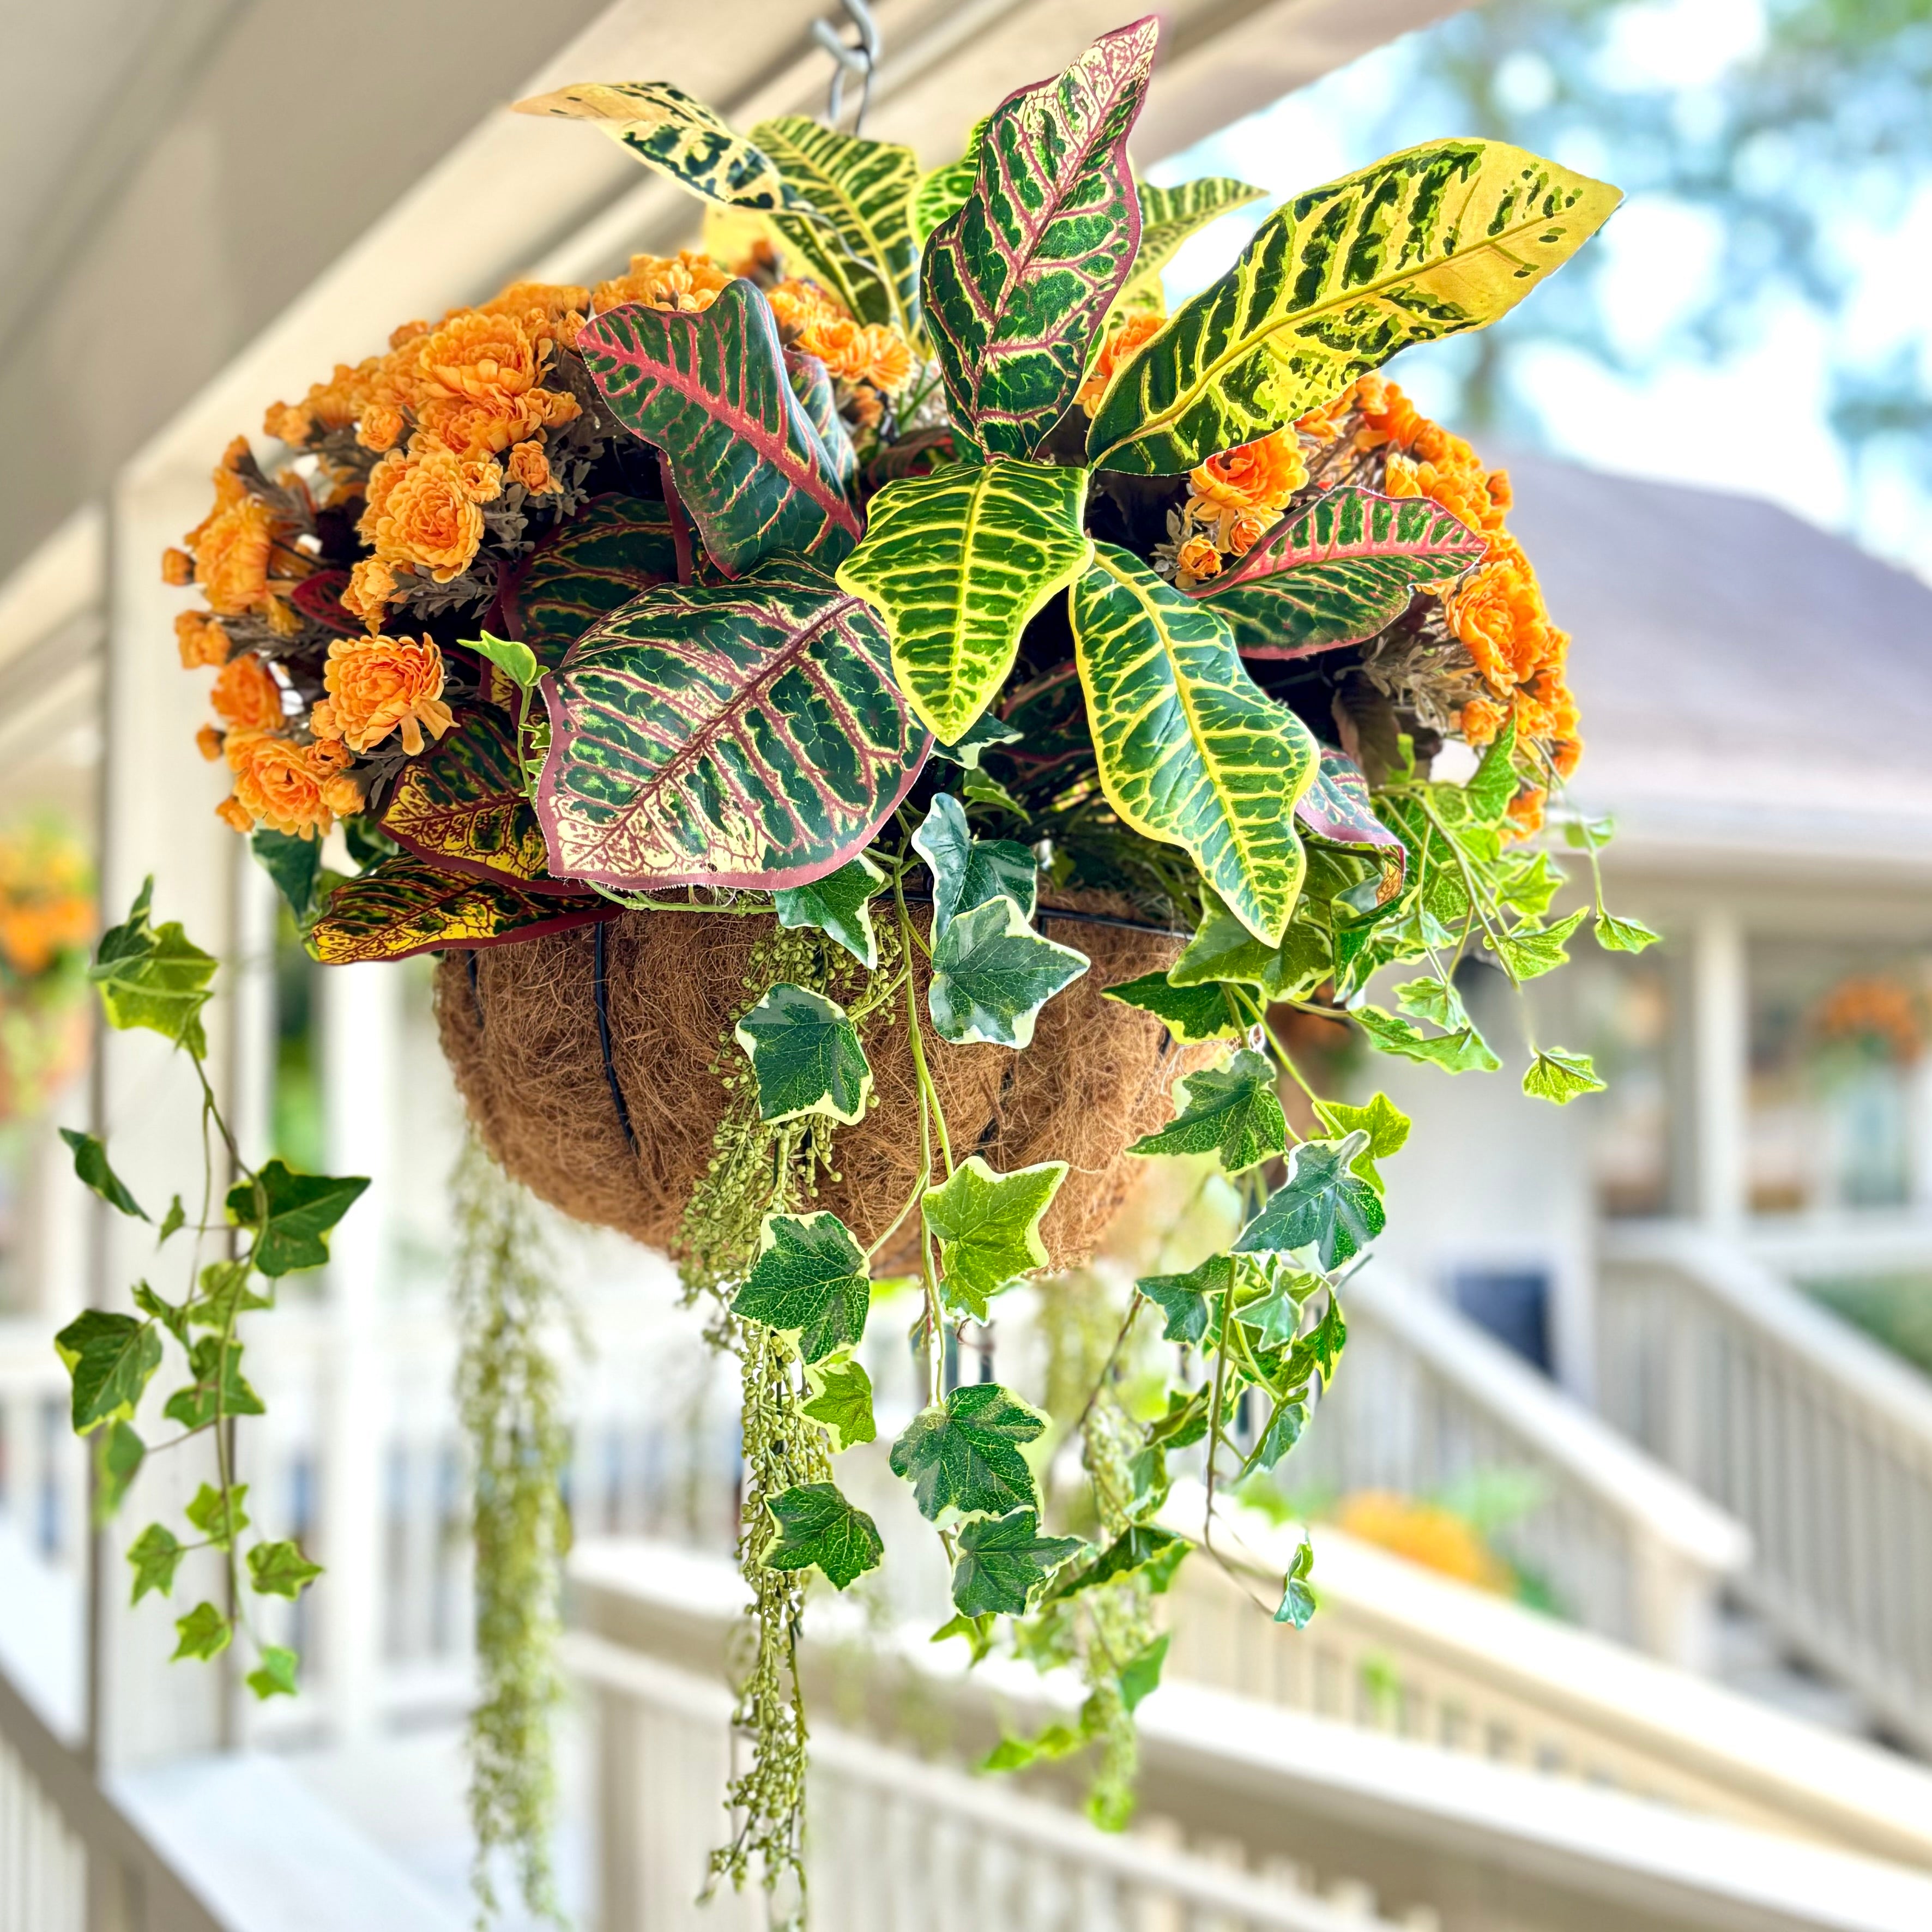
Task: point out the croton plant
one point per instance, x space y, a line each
912 552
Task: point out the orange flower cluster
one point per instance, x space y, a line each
1116 347
292 788
686 282
810 321
1233 500
1867 1006
1497 612
241 555
1427 1534
380 684
46 900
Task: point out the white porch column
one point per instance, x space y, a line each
1721 1002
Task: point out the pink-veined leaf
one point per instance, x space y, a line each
1335 808
613 548
709 391
404 905
747 734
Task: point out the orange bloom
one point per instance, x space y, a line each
1498 615
419 514
1247 530
342 795
552 300
208 741
1566 754
233 812
177 568
1196 558
200 639
232 558
529 466
687 281
1525 811
1260 476
276 783
1424 1533
482 477
246 696
372 589
1480 720
404 333
381 428
1134 330
377 685
288 422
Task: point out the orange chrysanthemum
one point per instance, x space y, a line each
687 281
246 697
481 478
1118 346
231 561
208 741
1480 720
1525 811
200 639
420 514
1259 475
380 684
1198 558
177 568
381 428
372 589
277 783
528 466
1424 1533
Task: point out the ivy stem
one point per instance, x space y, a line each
929 1116
1216 1408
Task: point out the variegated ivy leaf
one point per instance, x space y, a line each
806 1055
1224 951
1424 245
1004 1560
964 1454
967 871
1191 751
1017 282
614 548
1558 1074
1338 569
987 1225
153 977
709 390
810 1279
987 732
819 1529
958 563
1192 1300
668 130
941 194
110 1359
1386 1125
842 1401
1323 1204
462 806
1192 1014
1464 1051
991 974
1168 216
860 248
403 905
840 906
1529 953
745 734
1485 799
1434 999
1622 935
1232 1112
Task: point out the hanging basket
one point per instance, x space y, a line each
585 1059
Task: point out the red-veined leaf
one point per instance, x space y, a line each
613 547
319 596
404 905
1335 808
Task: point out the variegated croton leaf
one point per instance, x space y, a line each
1190 750
1168 216
811 383
1338 570
613 548
462 805
1423 244
403 905
957 563
1336 808
1017 282
748 734
709 391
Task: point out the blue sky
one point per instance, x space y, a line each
1754 422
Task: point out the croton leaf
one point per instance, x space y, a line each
967 871
745 734
1191 751
1192 1014
1335 808
1017 282
615 546
709 391
1423 244
942 193
805 1053
404 905
964 1453
810 1279
958 563
1323 1204
811 383
991 974
817 1527
839 905
1004 1560
861 248
668 130
1168 216
1232 1112
988 1228
462 806
1337 570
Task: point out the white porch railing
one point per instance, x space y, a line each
43 1469
1816 1438
1423 1398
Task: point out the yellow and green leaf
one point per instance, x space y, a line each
403 905
462 805
958 563
941 194
1423 244
1169 216
1191 751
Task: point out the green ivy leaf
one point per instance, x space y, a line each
991 974
90 1164
173 1319
1186 1420
1624 935
806 1055
517 661
841 1402
1233 1113
964 1454
156 1554
1189 1299
1191 751
1277 1292
982 788
204 1633
1141 1674
1422 245
978 1632
1432 998
225 1294
810 1279
154 977
1193 1015
110 1359
1557 1075
1583 834
839 905
219 1518
818 1528
1139 1547
1322 1204
1527 883
195 1406
1386 1125
294 864
1485 799
968 872
988 1228
1530 954
119 1453
1298 1597
173 1222
1283 1431
1223 951
292 1215
281 1570
1463 1052
274 1676
1004 1560
958 563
